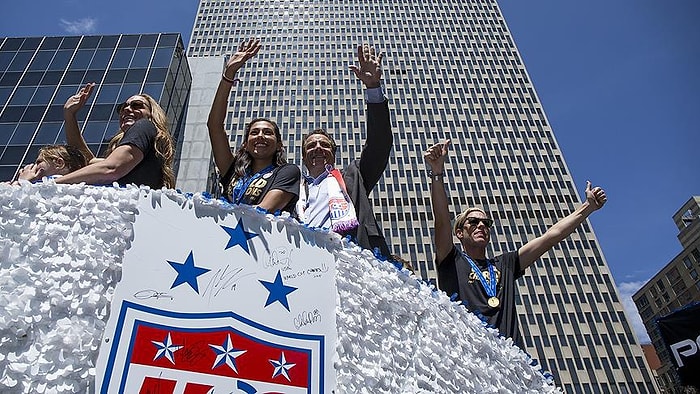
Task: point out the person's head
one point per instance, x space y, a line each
262 141
473 228
134 108
318 149
59 160
142 106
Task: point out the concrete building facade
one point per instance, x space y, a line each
451 70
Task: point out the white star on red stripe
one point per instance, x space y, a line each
166 349
226 353
281 367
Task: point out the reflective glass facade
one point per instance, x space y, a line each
451 71
38 74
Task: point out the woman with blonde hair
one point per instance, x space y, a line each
140 153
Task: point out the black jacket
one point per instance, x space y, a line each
362 175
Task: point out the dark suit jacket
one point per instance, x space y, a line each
362 175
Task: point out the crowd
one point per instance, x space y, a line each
323 196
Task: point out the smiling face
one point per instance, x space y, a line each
475 229
133 109
318 151
262 142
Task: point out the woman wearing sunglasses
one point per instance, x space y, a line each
140 153
258 173
487 285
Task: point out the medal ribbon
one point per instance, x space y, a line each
490 288
242 184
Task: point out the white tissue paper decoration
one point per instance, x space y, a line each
61 248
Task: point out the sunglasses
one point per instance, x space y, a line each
135 105
475 222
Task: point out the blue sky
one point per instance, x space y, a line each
619 81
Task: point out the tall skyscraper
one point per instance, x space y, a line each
675 286
451 71
38 75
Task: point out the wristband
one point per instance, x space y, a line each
435 175
229 80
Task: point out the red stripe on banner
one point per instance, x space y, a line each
195 388
157 386
197 356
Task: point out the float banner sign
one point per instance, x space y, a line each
219 300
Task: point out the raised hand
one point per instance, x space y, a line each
370 69
245 51
595 196
435 156
78 100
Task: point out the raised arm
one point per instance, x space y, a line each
74 137
534 249
435 157
379 137
217 134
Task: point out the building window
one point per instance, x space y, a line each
673 275
660 285
643 301
686 261
696 254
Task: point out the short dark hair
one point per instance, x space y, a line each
323 132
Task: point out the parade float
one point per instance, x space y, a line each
132 290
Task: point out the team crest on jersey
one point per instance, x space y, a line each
227 305
338 208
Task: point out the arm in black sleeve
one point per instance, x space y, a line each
377 148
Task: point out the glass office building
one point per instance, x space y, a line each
451 70
38 75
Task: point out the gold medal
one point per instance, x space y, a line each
494 302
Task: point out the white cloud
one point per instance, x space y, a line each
80 26
627 289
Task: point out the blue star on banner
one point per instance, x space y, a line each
187 273
281 367
278 291
226 354
238 236
166 349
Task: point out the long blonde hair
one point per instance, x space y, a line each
165 150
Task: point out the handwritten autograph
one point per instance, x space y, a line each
224 279
146 294
305 318
279 257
